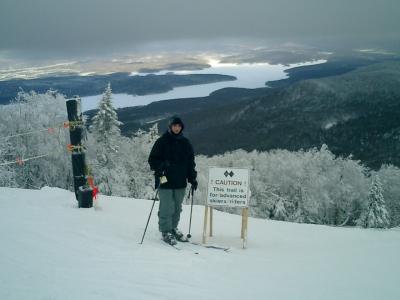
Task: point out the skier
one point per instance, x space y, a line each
172 160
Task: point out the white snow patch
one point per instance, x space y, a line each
330 124
50 249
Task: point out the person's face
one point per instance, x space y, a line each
176 128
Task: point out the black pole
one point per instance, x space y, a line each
191 211
74 109
83 192
148 220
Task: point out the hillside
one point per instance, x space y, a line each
355 113
337 64
53 250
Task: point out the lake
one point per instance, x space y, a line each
248 76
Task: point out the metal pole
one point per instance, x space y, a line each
148 220
191 211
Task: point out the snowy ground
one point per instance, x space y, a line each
50 249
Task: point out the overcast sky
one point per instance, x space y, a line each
73 26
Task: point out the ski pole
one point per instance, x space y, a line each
148 220
191 211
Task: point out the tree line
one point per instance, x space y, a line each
306 186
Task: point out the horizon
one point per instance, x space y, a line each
47 29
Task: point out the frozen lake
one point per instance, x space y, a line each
248 76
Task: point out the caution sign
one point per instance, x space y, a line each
228 187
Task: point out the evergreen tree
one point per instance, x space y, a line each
390 175
376 215
107 137
105 124
139 177
280 212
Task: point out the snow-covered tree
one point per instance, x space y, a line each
389 176
140 181
315 186
105 125
312 186
280 212
33 124
376 215
107 138
129 174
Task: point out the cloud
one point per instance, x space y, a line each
42 27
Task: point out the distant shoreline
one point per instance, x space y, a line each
95 84
248 75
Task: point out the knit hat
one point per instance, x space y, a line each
175 120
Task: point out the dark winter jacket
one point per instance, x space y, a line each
172 155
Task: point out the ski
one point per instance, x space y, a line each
187 246
215 247
176 247
173 246
180 247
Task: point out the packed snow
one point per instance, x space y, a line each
51 249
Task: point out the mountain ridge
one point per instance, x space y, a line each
95 84
333 110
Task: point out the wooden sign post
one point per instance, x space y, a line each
227 187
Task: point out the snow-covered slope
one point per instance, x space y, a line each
50 249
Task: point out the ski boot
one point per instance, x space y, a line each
169 238
179 236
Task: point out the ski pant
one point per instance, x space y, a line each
170 208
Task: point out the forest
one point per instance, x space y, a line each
306 186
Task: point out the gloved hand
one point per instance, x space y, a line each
158 174
194 184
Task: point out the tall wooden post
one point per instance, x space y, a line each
206 208
245 221
83 193
211 221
